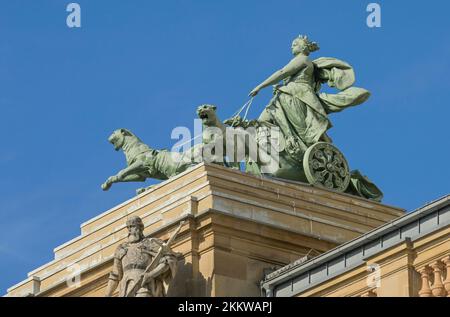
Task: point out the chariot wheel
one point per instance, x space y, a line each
326 166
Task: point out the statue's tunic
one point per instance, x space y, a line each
131 260
301 111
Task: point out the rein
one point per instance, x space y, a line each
237 113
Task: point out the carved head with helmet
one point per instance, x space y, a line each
135 228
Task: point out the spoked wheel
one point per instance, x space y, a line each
326 166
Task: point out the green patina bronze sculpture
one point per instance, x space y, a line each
144 162
298 107
302 149
301 111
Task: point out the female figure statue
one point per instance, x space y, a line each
301 111
297 107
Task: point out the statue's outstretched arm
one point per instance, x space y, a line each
290 69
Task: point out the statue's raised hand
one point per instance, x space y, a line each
254 92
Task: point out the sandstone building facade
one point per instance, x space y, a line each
242 235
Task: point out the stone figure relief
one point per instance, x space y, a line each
143 267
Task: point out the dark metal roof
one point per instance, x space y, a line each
300 275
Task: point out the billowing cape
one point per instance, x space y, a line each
339 74
364 187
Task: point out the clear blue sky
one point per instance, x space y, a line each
146 65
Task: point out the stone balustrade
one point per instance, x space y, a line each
435 278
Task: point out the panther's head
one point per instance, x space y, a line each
207 113
117 138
